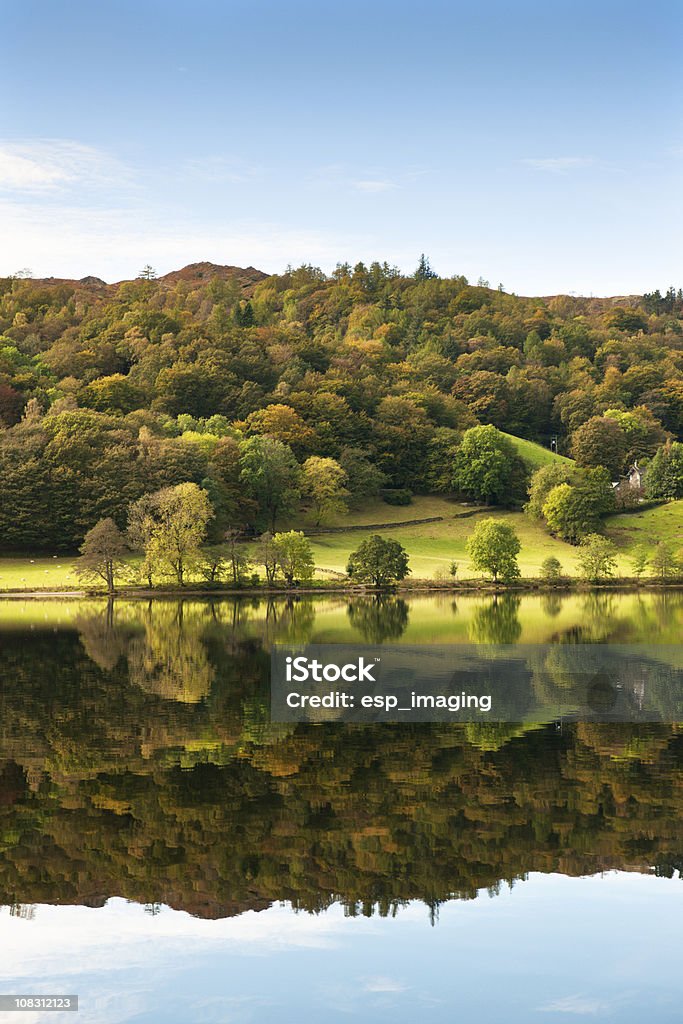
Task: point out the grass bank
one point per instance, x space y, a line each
431 546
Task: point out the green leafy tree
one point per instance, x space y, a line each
402 432
664 562
493 548
378 561
643 431
551 569
238 559
213 564
597 557
266 555
363 478
233 508
103 554
439 457
171 526
141 524
573 511
601 441
542 482
487 467
324 481
294 556
115 393
664 477
271 476
641 560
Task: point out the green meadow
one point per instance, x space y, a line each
535 455
431 546
39 573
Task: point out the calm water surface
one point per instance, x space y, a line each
170 855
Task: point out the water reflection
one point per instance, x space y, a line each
379 619
549 950
497 621
137 760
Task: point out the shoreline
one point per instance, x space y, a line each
488 587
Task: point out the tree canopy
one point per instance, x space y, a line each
493 548
378 561
231 380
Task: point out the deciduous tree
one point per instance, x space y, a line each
493 548
171 525
597 557
103 554
271 475
601 441
487 467
324 481
294 555
378 561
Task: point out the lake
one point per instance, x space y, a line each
169 854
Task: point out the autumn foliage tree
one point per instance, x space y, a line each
324 482
103 554
170 527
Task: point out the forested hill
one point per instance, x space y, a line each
108 391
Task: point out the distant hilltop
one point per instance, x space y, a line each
249 277
193 273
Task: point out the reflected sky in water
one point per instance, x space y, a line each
137 760
552 949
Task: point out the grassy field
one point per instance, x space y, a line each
377 511
644 529
430 546
535 455
38 573
433 546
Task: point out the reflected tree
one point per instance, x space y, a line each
497 622
379 618
171 658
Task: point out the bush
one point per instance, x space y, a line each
396 496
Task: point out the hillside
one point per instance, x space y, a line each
431 546
110 391
535 455
194 274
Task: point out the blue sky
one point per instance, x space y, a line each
537 144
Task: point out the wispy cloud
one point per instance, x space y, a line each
374 185
51 165
219 169
369 180
380 983
72 240
559 164
582 1006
